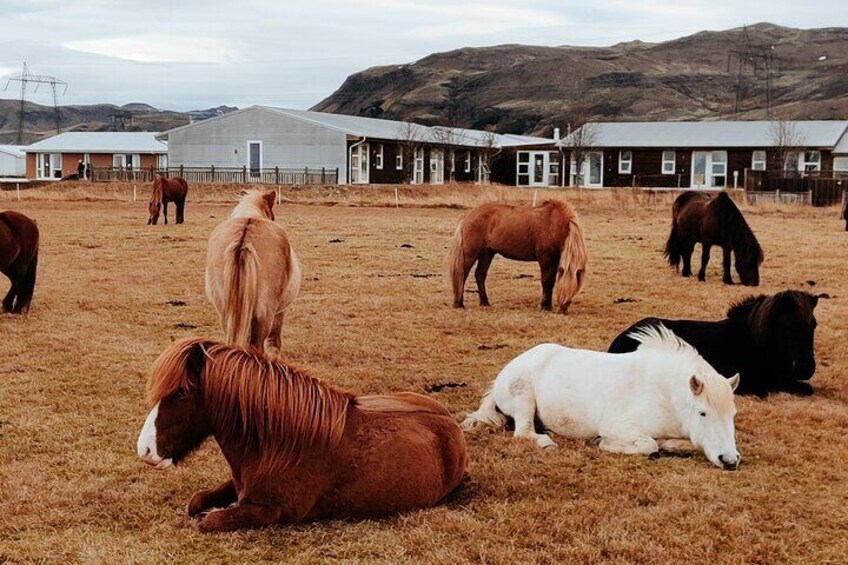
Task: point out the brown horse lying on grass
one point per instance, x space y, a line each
550 234
298 448
164 191
18 259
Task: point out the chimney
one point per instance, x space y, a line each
556 134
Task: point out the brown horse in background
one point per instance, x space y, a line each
550 234
164 191
712 221
18 259
252 273
298 448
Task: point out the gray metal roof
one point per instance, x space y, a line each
15 150
100 142
374 128
822 134
842 147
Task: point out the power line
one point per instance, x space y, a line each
25 78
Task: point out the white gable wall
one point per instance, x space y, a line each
287 142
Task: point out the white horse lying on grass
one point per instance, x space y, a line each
638 402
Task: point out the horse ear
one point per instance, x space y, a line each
733 382
271 198
196 361
696 385
814 301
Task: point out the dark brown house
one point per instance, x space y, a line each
704 155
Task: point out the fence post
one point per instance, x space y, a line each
337 175
182 172
244 174
212 173
277 178
306 175
323 175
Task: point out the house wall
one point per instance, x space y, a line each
12 165
287 142
71 160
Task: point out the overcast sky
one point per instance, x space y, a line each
192 54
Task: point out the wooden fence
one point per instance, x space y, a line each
228 175
823 188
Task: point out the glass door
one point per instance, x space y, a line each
709 169
593 174
437 166
418 171
254 157
539 169
359 164
718 168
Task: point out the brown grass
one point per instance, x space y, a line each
374 316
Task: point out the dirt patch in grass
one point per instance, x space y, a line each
72 377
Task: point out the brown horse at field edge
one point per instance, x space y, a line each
18 259
298 448
164 191
712 221
549 234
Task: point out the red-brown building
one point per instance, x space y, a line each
59 156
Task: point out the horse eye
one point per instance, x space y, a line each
703 414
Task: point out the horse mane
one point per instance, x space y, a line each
745 244
756 312
658 336
574 258
254 203
157 193
277 411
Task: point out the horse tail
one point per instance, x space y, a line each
573 263
486 415
456 261
241 287
672 246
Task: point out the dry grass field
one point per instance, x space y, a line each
373 316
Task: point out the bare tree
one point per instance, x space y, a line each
450 138
786 141
490 151
580 143
410 140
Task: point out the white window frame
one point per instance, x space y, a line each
399 159
672 161
418 166
54 162
468 161
622 169
803 163
378 157
758 164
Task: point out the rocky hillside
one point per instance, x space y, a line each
523 89
40 121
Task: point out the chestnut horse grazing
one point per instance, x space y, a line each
712 221
550 234
252 273
298 448
18 259
164 191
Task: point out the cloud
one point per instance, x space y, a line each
158 49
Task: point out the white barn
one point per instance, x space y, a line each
12 162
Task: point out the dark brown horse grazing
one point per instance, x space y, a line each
550 234
18 259
712 221
164 191
844 214
298 448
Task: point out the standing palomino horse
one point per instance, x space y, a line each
18 259
631 402
298 448
550 234
252 273
164 191
712 221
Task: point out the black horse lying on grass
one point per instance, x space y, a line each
768 340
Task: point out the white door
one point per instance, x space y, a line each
359 164
418 170
709 169
593 170
437 166
254 158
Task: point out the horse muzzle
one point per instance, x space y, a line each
730 462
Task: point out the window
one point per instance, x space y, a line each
49 166
758 161
718 165
812 161
378 157
126 161
625 162
790 164
399 159
668 162
418 173
468 161
523 170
